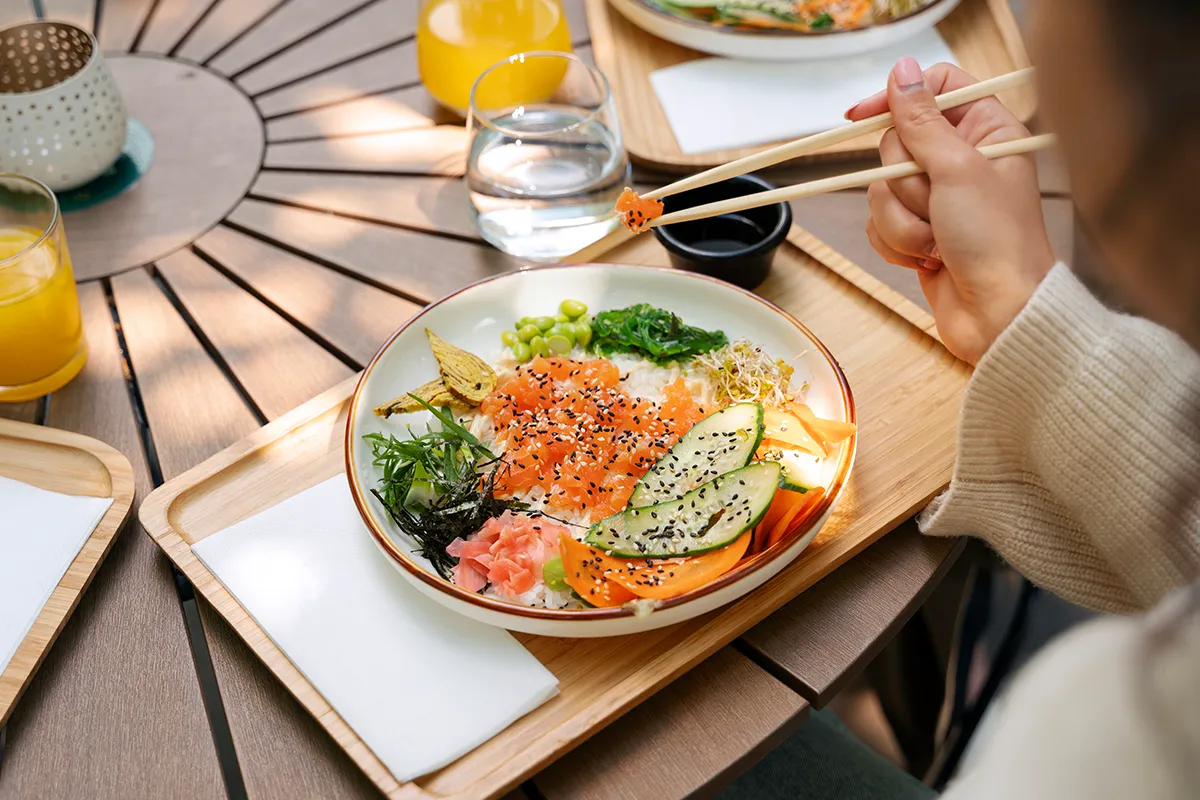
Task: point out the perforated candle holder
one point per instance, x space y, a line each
61 117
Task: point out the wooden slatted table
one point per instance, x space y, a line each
304 202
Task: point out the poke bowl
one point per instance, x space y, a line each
597 450
785 30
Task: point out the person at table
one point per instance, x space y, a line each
1079 442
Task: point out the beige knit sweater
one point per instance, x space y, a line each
1079 461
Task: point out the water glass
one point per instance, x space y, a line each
546 161
41 333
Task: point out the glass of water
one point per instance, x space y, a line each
546 162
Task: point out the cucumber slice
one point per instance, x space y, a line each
717 444
799 471
710 516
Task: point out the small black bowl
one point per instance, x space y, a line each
737 247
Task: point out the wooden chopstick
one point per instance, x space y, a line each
838 182
845 133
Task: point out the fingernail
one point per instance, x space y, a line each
850 110
907 73
932 250
930 264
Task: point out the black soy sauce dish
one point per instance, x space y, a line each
737 247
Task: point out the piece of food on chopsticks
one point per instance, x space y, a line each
791 15
640 459
636 212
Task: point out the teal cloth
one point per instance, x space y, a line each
825 761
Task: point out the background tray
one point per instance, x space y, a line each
982 33
60 461
907 390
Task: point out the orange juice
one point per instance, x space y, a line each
41 335
458 39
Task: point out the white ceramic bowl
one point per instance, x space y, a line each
774 45
61 117
474 317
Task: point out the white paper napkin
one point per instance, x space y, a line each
41 532
420 684
723 103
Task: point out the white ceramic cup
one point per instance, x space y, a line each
61 117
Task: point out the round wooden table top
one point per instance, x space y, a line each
258 262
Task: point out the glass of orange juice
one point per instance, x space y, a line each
41 334
457 40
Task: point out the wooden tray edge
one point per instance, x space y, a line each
826 256
62 602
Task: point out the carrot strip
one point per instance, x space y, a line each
795 518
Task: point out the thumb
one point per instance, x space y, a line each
929 136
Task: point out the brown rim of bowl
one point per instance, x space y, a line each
748 567
777 32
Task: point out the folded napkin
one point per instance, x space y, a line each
722 103
420 684
41 532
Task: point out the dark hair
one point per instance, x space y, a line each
1157 43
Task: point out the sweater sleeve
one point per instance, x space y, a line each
1079 452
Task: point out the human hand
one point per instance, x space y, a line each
972 228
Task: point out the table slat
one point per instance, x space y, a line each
437 150
696 734
279 366
383 71
376 26
120 21
420 266
192 409
193 412
818 642
290 23
21 412
227 20
351 315
77 12
433 204
170 21
115 710
383 113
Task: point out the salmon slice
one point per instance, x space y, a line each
637 211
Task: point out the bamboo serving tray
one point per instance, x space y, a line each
907 390
61 461
983 34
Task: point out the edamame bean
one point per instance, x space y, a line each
544 323
572 308
522 322
527 332
558 344
564 329
538 345
561 318
522 352
583 333
509 338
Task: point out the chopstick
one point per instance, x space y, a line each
838 182
799 147
845 133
